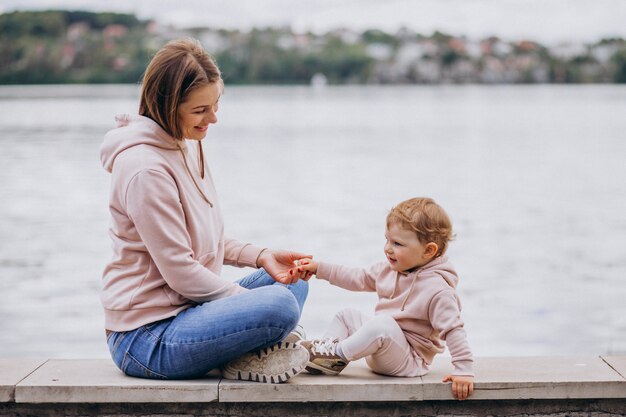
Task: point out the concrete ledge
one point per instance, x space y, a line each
534 378
355 383
617 363
504 386
480 408
99 381
12 371
497 379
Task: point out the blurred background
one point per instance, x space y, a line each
510 114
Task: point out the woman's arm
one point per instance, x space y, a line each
153 205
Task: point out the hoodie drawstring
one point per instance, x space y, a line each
201 152
410 290
395 287
201 171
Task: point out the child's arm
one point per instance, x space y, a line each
445 313
462 386
349 278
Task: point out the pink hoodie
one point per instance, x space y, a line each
166 227
423 302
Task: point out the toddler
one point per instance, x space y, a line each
418 308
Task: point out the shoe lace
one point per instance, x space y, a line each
325 346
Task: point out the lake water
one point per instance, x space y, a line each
533 177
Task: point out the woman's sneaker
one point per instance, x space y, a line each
274 364
296 335
323 357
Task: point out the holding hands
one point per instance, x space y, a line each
280 265
304 268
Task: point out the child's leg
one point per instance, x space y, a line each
381 341
324 357
345 323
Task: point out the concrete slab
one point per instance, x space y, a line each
13 371
355 383
618 363
531 378
99 381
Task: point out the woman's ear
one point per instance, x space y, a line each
431 249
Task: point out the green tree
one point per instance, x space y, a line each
619 61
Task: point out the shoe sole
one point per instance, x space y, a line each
274 365
315 369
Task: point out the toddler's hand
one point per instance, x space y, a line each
304 268
462 386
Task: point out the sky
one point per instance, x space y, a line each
547 21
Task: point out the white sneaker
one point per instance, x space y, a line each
296 335
324 358
274 364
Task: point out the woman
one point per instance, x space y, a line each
168 314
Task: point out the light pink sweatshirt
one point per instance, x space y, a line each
423 302
166 227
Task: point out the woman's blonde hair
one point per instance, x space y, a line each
178 68
426 218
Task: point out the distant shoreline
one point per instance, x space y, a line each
77 47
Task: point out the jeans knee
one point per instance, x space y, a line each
280 307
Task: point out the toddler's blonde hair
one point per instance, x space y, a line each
426 218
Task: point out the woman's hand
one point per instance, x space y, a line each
462 386
280 263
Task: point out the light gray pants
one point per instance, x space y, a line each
378 339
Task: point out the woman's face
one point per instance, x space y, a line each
199 110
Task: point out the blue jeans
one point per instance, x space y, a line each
208 335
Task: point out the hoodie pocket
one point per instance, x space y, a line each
175 298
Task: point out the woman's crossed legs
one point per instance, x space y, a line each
208 335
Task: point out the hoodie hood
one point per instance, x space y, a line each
133 130
438 266
441 266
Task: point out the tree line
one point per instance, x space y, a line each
58 46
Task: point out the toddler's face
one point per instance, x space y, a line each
403 249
